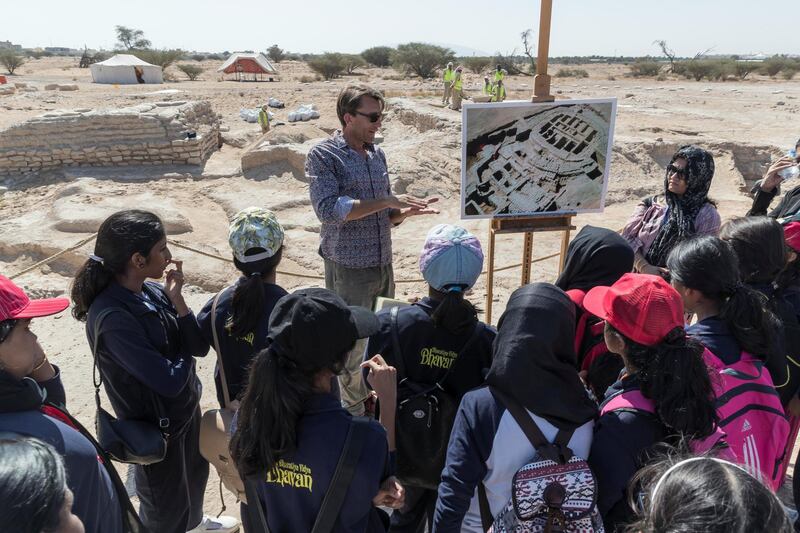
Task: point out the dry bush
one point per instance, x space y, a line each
309 79
380 56
421 59
645 69
477 64
572 73
352 62
329 65
12 61
192 71
276 53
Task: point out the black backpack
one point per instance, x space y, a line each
425 415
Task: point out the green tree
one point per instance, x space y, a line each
476 64
352 62
421 59
380 56
276 53
192 71
131 39
163 58
645 68
12 61
329 65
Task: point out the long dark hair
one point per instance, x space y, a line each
759 244
272 404
455 314
674 375
709 265
703 494
247 304
120 236
33 485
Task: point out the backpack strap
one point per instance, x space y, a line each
631 400
397 352
345 469
97 374
557 451
577 296
253 501
485 510
226 397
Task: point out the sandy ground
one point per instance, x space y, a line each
744 124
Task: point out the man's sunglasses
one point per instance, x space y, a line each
672 169
373 117
5 328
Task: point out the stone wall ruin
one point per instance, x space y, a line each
146 134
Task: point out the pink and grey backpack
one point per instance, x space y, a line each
751 420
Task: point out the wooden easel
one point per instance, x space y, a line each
531 225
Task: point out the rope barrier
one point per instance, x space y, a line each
183 246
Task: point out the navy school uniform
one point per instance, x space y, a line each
715 335
96 502
622 440
427 353
237 352
150 350
293 492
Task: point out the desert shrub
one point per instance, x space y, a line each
722 68
699 69
216 57
276 53
198 57
645 68
329 65
35 54
571 73
309 79
352 62
742 69
163 58
772 66
191 71
421 59
169 76
514 65
11 60
380 56
679 68
661 77
477 64
789 72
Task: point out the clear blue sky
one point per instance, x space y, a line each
580 27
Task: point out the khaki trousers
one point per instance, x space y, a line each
456 100
446 95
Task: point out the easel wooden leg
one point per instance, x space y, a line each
564 247
490 278
527 253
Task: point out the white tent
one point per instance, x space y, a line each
126 69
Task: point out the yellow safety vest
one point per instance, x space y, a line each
263 118
457 83
448 75
488 88
498 75
498 93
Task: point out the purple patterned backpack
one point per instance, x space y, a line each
554 493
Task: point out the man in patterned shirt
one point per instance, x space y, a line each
352 197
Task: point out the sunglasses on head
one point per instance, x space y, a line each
5 328
672 169
373 117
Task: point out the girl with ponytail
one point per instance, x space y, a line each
145 352
439 339
243 309
644 325
291 429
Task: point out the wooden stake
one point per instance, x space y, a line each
541 82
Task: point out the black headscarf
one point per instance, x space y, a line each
596 257
683 210
534 357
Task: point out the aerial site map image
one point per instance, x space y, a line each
522 159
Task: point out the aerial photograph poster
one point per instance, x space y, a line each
529 159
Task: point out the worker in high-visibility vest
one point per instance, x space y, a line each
488 88
457 88
447 80
499 74
263 118
499 92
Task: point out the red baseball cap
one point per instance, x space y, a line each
14 303
642 307
791 233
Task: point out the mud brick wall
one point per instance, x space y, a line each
147 134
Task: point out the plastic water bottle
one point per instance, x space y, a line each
790 172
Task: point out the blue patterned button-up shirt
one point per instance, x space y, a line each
337 174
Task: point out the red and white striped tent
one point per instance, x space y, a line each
249 67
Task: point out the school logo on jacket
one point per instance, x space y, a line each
288 474
436 358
